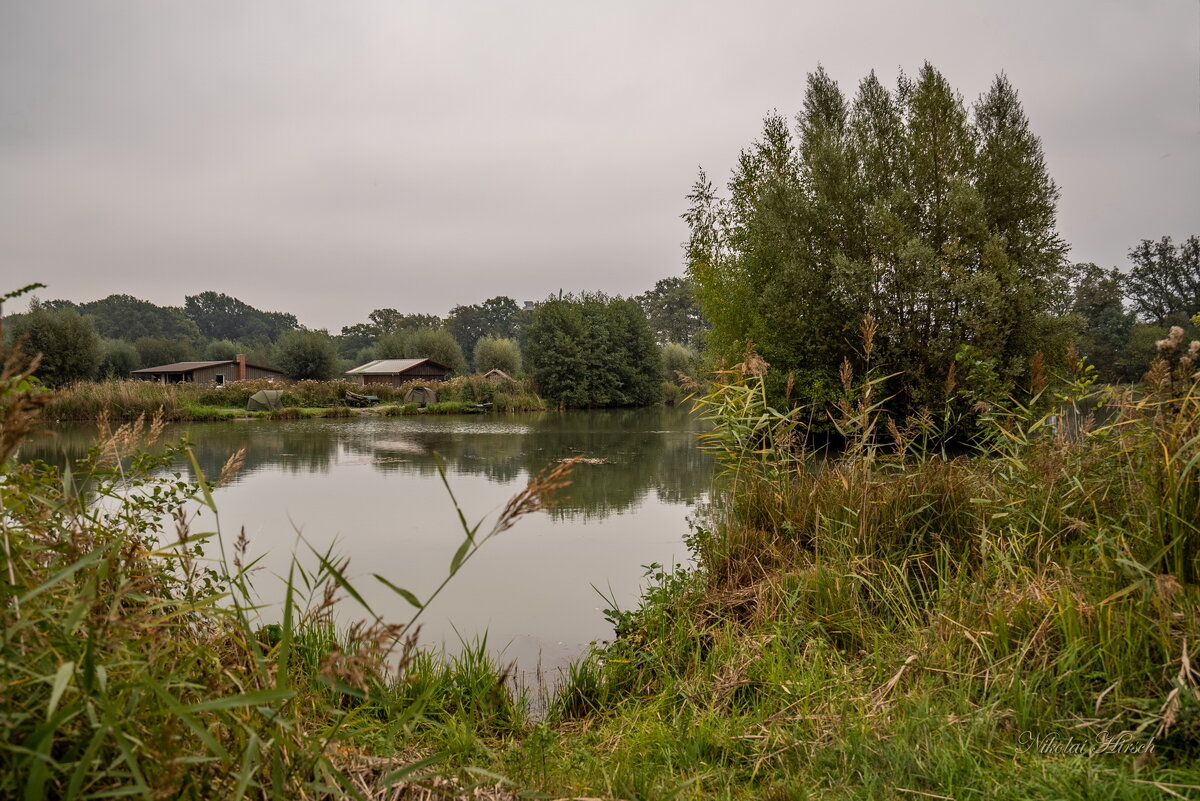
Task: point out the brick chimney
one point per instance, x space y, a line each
241 363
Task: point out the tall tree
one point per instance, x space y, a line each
672 311
1104 322
592 350
306 355
437 344
1164 283
388 321
129 318
498 353
495 317
156 351
118 359
898 203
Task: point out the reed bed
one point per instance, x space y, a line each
130 399
136 661
505 396
1016 622
894 621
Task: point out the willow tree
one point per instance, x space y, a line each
936 217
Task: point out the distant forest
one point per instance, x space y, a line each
616 344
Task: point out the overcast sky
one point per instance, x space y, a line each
330 158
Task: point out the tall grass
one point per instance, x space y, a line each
504 396
129 399
1017 622
136 661
120 400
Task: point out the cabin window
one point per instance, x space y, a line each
220 379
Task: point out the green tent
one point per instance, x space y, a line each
265 400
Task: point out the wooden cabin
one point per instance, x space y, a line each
395 372
497 376
216 373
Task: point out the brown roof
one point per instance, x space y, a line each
187 367
392 366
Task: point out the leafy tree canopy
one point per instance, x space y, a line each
593 350
673 312
156 351
128 318
899 202
1104 322
118 359
68 343
495 317
220 316
498 353
383 324
437 344
306 355
1164 283
387 321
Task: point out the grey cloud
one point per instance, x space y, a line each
329 159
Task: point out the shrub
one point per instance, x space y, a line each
306 355
498 353
69 346
679 360
117 359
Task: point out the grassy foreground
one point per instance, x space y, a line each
1019 623
1016 624
135 661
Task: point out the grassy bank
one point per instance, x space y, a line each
1018 623
136 661
128 400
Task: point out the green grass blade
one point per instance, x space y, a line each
255 698
61 679
403 593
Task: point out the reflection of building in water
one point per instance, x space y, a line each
627 453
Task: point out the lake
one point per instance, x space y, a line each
370 486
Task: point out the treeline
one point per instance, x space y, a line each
1121 317
938 219
113 336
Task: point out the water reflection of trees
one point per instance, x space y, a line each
626 454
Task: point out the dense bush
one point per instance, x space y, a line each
498 353
592 350
306 355
118 359
69 346
679 361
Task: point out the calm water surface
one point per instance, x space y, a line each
370 487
